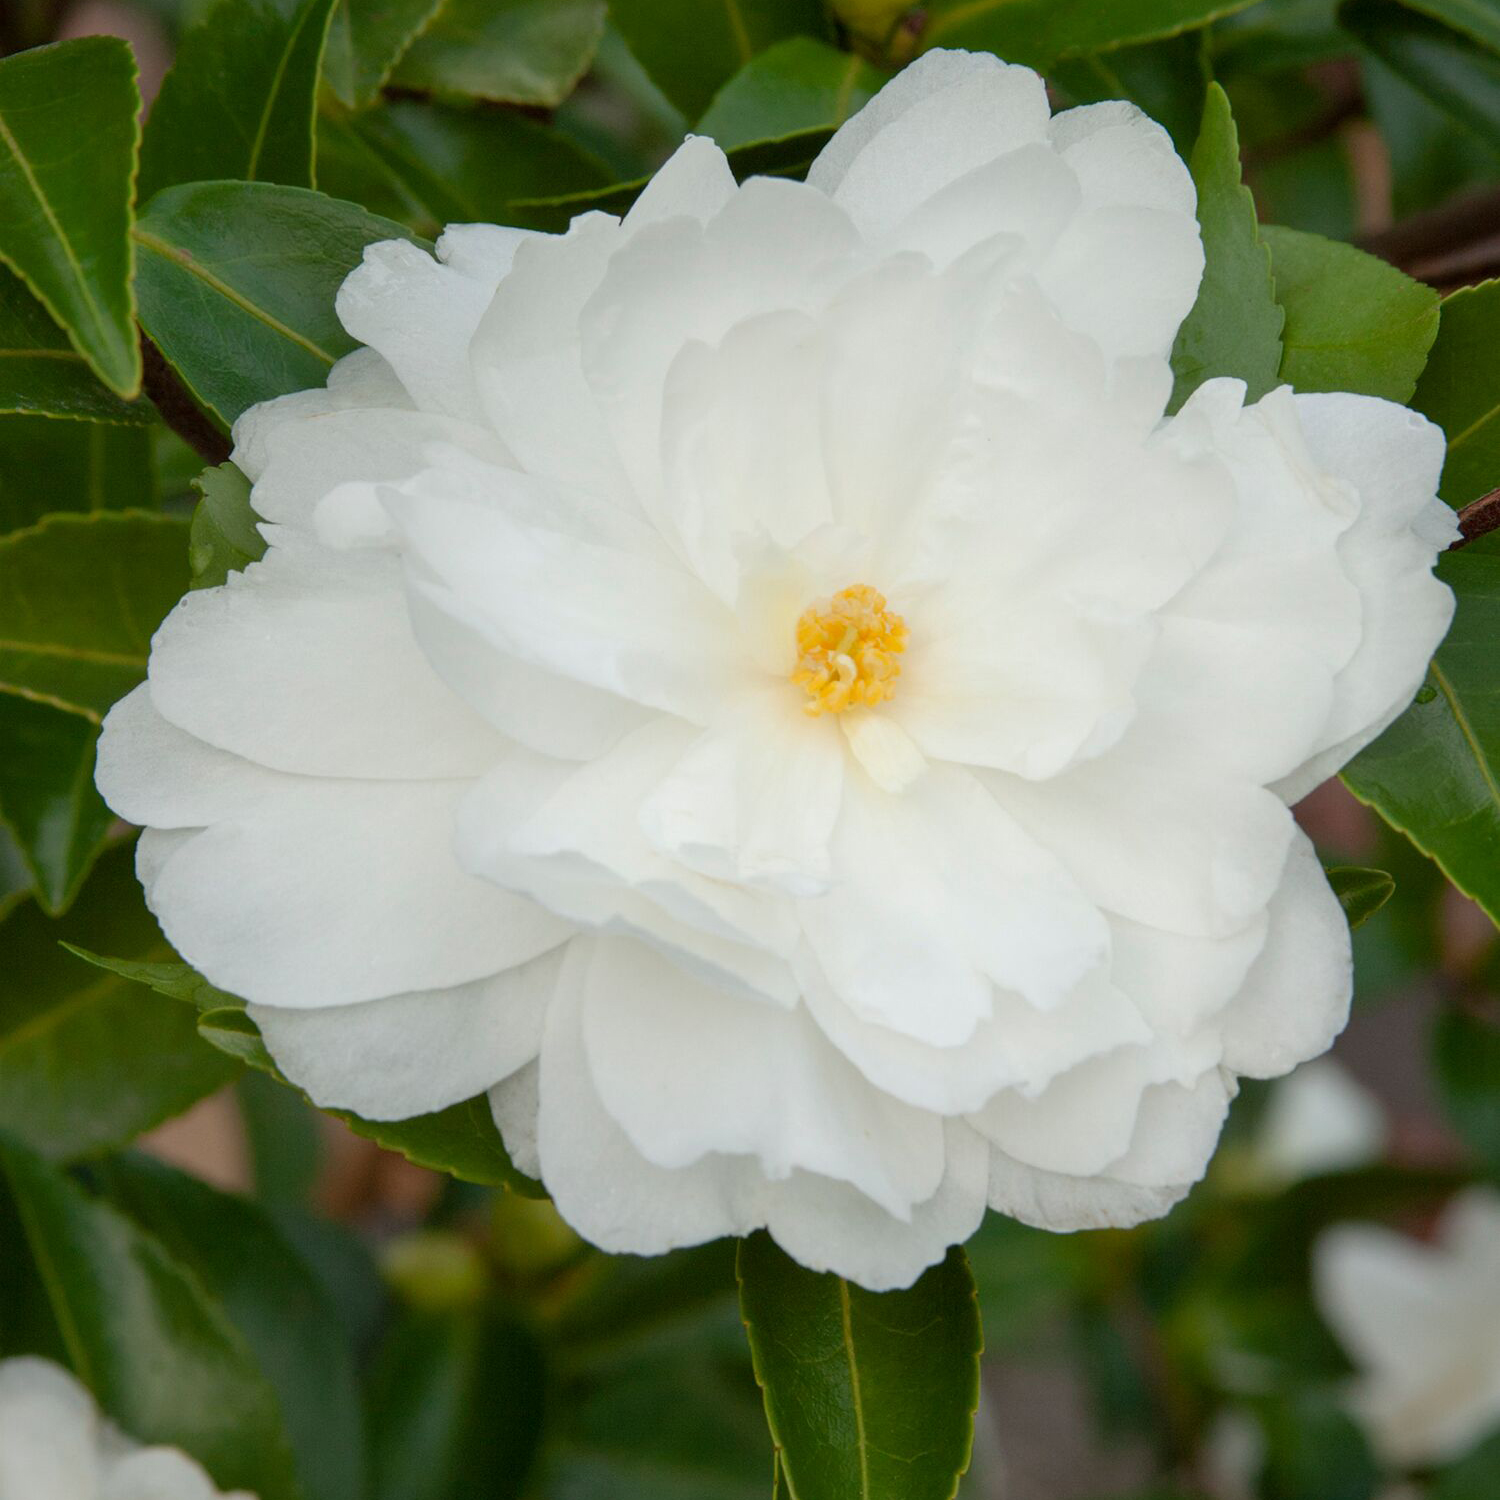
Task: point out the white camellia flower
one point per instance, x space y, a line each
55 1445
1419 1321
761 688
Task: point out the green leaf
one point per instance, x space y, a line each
866 1394
167 976
87 1060
1310 188
529 52
1234 327
80 597
1460 391
691 48
456 1407
237 282
1476 19
1466 1069
1361 892
284 1139
1275 36
48 466
365 41
1445 65
1475 1476
1353 323
162 1358
240 98
1314 1451
427 166
797 85
223 538
1435 773
1039 32
263 1287
64 209
41 371
47 796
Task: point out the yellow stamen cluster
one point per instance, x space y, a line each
846 651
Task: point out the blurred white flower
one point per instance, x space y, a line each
55 1445
761 688
1420 1323
1319 1119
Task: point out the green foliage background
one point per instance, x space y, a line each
158 282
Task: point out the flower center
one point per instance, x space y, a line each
846 651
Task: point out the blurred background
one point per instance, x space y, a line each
1189 1358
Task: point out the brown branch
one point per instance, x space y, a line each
1478 518
178 409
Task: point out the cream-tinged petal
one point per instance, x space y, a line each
754 798
413 1054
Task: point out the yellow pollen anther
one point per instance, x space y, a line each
846 651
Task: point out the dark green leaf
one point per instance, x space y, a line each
1276 35
47 796
87 1060
1466 1068
427 166
865 1394
456 1408
79 599
232 1031
1310 188
691 48
1476 19
237 282
240 98
1166 79
1475 1476
1435 773
162 1358
223 538
40 371
1361 892
65 211
284 1139
1460 78
48 466
1460 391
797 85
1024 1276
1433 156
461 1140
1234 327
508 51
1314 1451
1038 32
1353 323
365 41
247 1267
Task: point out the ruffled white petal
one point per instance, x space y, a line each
412 1054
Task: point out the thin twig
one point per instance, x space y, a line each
178 409
1478 518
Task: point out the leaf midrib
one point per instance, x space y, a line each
44 203
855 1392
194 267
1467 730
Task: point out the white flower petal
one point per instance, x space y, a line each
947 114
1392 457
921 925
305 662
1051 1200
413 1054
687 1070
754 798
331 893
1296 996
